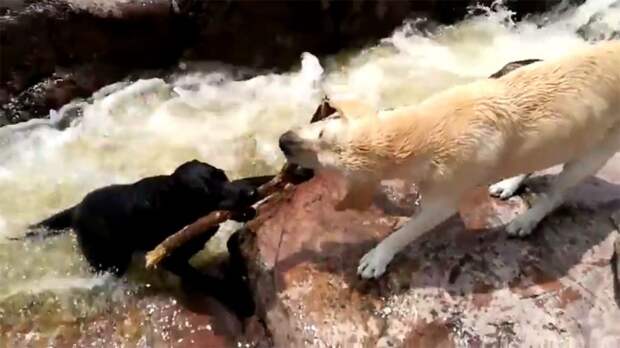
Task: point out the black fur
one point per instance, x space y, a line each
113 222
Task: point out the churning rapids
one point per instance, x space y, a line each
127 131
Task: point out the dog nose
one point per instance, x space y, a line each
288 140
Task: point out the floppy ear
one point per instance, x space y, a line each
189 182
353 108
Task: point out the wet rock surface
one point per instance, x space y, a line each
463 284
156 320
52 51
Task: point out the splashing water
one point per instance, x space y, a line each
131 130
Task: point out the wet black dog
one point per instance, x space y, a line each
113 222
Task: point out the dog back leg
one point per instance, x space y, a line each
103 252
506 188
435 209
572 174
105 256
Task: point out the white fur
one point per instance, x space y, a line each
506 188
434 211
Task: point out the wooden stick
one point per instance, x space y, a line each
187 233
289 174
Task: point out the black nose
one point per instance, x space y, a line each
287 141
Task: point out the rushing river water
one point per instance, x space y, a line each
131 130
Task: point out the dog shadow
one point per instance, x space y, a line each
481 261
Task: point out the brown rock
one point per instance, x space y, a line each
148 321
463 283
429 335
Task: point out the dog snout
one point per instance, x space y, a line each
252 194
288 141
246 196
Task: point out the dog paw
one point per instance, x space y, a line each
522 226
374 263
505 188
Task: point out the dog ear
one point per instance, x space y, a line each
190 178
352 108
325 109
189 183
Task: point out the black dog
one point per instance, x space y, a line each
113 222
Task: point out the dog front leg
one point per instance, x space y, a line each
434 210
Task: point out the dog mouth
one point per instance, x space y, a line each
296 151
304 158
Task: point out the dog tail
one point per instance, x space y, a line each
58 221
53 225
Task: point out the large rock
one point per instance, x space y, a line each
157 320
52 51
55 50
465 283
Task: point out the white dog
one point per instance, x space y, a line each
565 110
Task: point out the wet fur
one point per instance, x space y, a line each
561 111
113 222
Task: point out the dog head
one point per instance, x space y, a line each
204 184
238 195
198 175
320 144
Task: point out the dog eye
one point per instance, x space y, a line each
321 134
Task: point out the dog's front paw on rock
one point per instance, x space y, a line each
374 263
521 226
503 189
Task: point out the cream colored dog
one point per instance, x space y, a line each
557 111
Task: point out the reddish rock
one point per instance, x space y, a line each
149 321
465 283
429 335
